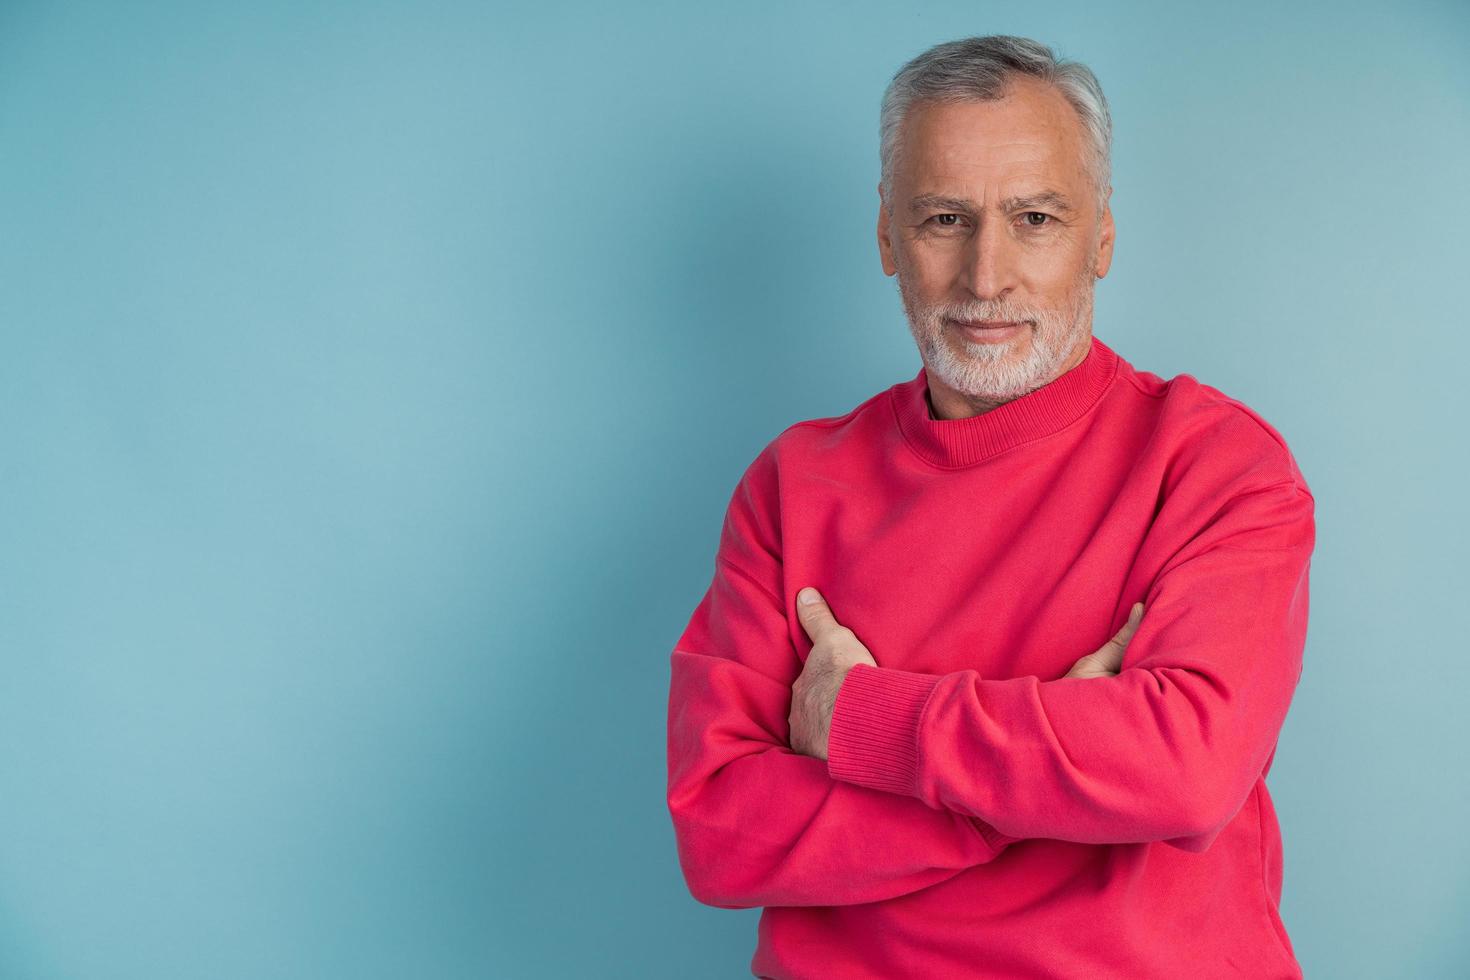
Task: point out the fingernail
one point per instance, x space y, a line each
807 596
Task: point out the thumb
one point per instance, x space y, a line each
814 613
1126 631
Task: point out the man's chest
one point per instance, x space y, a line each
1009 570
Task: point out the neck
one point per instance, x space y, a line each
961 442
945 402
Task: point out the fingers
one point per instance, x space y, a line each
815 615
1110 655
1126 631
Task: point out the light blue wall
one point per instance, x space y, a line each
375 375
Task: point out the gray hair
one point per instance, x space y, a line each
980 69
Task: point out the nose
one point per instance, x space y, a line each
990 262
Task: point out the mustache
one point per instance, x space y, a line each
993 311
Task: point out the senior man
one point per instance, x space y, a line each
879 724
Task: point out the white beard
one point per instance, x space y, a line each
995 372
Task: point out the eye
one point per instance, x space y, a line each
943 223
1031 215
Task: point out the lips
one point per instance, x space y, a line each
987 324
988 331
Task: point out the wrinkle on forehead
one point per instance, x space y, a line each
1033 135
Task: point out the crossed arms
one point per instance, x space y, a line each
928 775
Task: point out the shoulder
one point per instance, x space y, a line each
808 442
815 448
1212 435
812 436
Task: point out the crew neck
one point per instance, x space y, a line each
1048 409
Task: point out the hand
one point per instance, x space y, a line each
835 649
1105 661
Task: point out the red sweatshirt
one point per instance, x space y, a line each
980 815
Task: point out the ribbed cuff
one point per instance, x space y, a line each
874 738
993 837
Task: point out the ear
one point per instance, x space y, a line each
1106 234
885 243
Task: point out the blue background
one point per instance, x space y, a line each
375 377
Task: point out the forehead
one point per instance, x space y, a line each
1032 133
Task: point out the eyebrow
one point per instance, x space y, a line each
1044 199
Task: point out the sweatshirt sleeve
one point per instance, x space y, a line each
756 823
1168 750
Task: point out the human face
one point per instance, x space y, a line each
995 218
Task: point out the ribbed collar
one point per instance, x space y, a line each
1048 409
